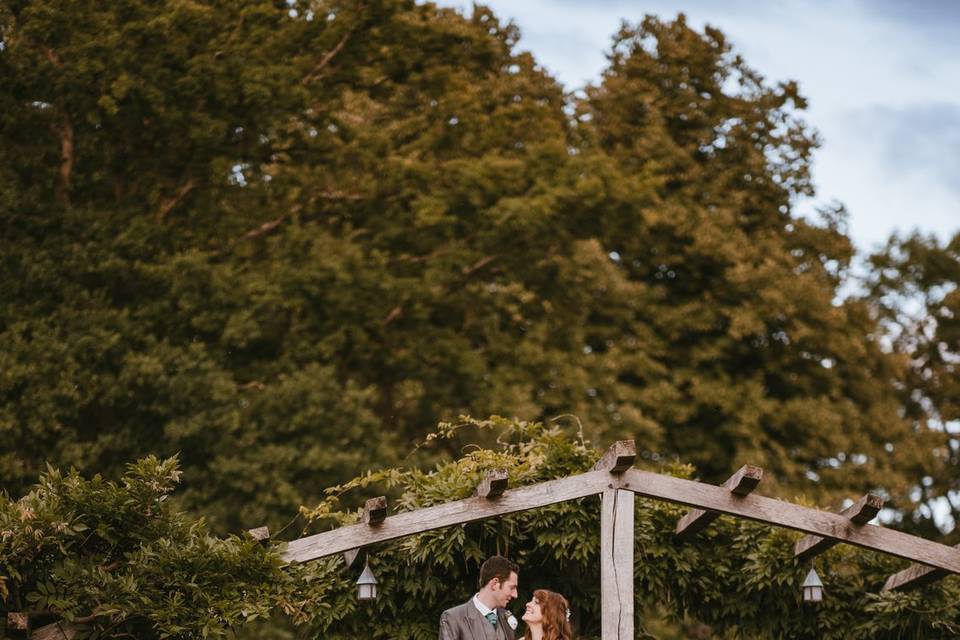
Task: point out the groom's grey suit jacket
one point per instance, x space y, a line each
464 622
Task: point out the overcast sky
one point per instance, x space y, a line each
882 78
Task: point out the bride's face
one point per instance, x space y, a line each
533 612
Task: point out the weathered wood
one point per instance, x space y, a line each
375 511
649 485
451 513
18 622
741 483
860 513
914 576
56 631
350 556
791 516
260 534
618 458
493 485
616 565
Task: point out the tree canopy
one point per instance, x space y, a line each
282 239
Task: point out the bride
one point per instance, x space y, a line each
547 617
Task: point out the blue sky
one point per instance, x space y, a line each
882 78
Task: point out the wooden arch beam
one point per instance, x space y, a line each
408 523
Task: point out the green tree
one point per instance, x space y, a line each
281 239
741 350
912 285
117 561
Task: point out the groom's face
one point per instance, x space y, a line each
504 592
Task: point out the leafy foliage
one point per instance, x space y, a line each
912 285
115 558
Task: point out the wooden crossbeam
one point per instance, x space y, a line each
649 485
859 513
618 458
493 485
791 516
443 515
375 511
741 483
914 576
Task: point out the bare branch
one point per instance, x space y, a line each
317 72
167 205
67 160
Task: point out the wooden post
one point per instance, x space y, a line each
618 458
616 564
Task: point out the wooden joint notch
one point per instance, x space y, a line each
375 510
493 485
741 483
915 576
260 534
618 458
859 513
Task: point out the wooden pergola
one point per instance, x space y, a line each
617 482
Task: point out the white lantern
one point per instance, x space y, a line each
367 584
812 588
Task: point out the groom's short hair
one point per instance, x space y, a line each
497 567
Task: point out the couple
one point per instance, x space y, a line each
484 617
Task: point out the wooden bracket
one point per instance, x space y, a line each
859 513
493 485
914 577
375 511
618 458
744 481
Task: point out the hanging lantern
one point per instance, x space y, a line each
367 584
812 588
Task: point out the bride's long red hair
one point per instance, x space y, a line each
554 608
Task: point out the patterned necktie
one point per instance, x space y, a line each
492 617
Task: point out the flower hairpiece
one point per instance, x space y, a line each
568 614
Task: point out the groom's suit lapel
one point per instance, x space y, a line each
503 624
476 622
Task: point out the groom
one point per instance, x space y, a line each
484 616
